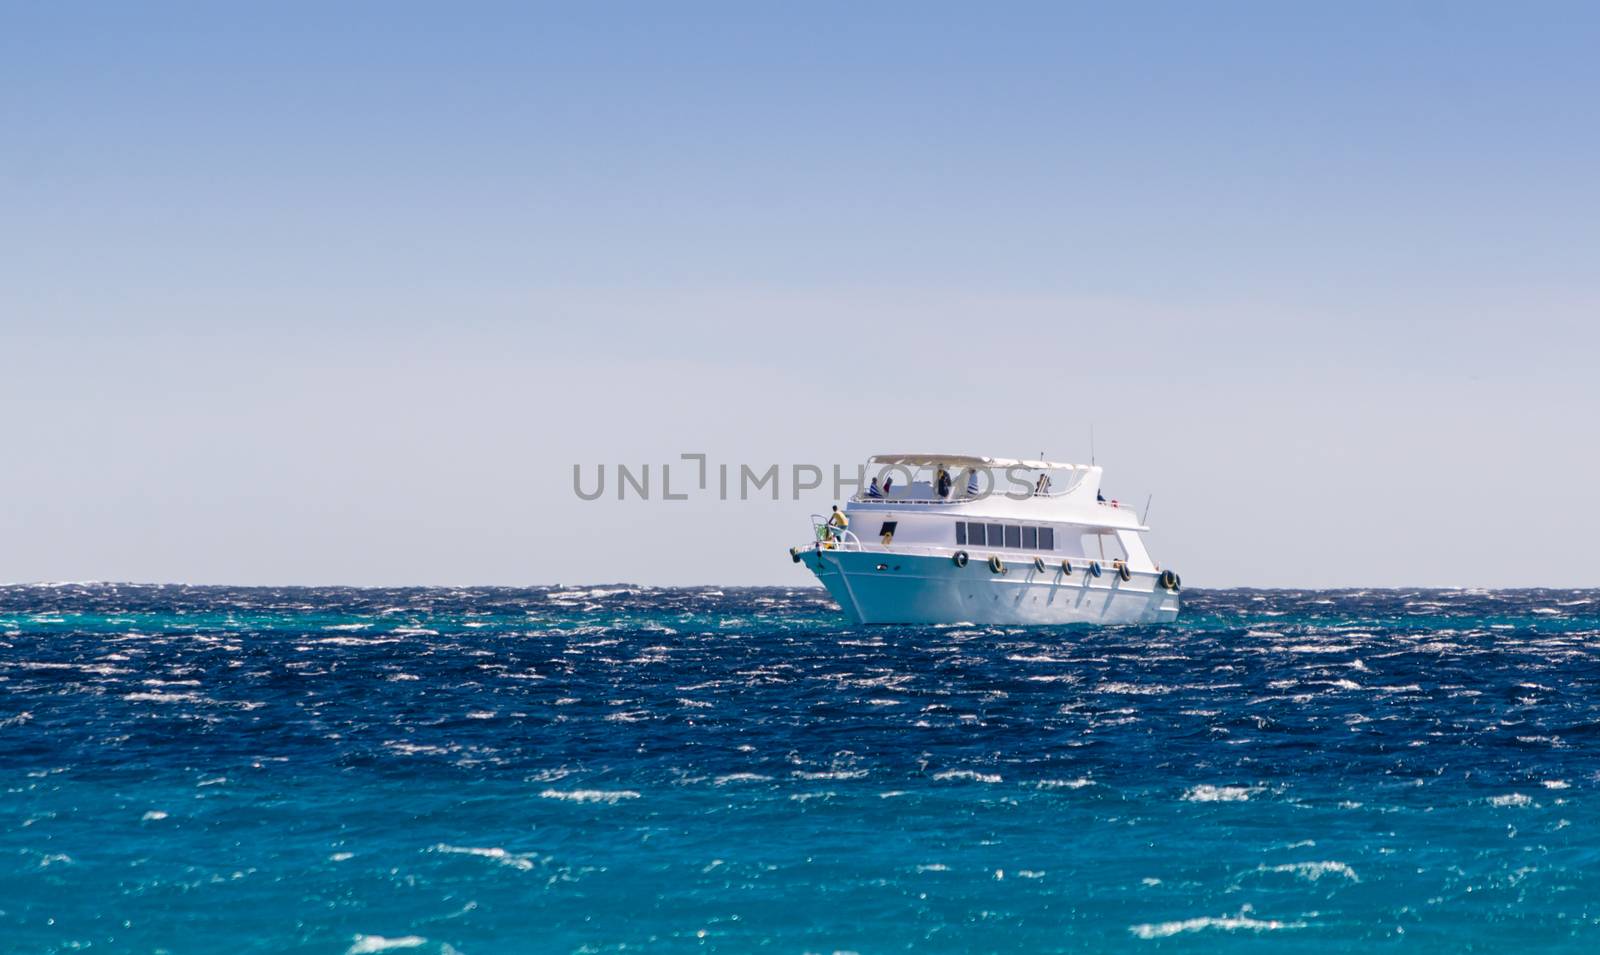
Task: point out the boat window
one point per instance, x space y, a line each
961 532
975 535
1030 538
1013 537
888 527
1047 538
997 535
1103 546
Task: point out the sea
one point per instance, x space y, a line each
628 769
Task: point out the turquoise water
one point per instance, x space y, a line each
623 769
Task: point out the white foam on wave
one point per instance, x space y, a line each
741 778
162 697
1511 799
610 796
353 641
1227 923
98 669
516 860
405 748
153 815
968 774
365 944
1556 784
1313 871
1134 689
1079 783
1209 793
566 598
831 774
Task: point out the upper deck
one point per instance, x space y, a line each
979 486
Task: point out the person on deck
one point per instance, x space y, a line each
838 520
943 482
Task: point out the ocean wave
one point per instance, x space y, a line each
163 697
367 944
830 774
1079 783
609 796
1209 793
516 860
1226 923
1134 689
1314 871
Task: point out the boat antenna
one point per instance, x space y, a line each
1091 445
1145 520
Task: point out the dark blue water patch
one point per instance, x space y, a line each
621 768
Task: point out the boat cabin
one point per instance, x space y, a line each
1013 508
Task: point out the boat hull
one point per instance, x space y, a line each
878 587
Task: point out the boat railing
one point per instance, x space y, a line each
908 499
964 498
833 537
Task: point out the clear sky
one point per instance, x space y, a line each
339 293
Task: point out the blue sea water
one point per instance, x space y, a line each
614 769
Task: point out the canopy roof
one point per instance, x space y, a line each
970 461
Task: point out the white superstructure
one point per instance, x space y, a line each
998 540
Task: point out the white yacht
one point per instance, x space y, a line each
951 538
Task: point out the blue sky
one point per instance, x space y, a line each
339 293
